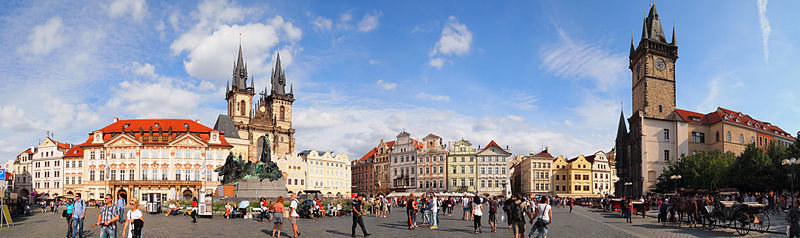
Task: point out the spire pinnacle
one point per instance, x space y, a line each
674 38
632 48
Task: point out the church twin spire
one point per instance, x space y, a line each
240 77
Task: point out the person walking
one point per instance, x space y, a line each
293 216
629 211
543 216
68 216
493 213
477 212
466 213
793 218
55 206
358 213
434 212
133 218
121 206
78 212
570 205
193 210
425 209
108 217
277 218
517 216
410 209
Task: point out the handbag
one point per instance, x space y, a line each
64 213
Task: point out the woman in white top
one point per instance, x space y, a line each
544 216
477 212
132 215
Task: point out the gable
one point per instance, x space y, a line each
46 142
188 140
122 140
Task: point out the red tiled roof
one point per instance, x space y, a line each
589 158
544 153
390 144
77 151
491 143
177 125
369 154
417 144
722 114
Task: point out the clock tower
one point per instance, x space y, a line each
652 65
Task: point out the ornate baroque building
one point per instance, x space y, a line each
270 115
493 165
462 167
432 164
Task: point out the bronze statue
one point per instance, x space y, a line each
235 168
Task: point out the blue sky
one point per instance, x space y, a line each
527 74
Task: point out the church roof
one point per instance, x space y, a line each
722 114
225 125
652 27
133 127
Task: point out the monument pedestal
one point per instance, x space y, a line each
256 188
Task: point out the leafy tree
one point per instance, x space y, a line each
752 171
703 170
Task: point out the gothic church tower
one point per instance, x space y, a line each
652 66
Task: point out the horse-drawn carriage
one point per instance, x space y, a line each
742 217
638 207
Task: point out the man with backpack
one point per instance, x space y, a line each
517 217
507 209
78 212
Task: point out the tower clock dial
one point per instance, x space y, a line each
262 108
660 64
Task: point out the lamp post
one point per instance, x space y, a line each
788 163
675 179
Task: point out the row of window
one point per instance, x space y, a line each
577 188
463 182
485 184
543 186
496 170
495 158
74 164
145 175
541 165
157 153
47 164
432 184
56 174
38 185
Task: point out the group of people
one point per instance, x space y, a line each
275 212
111 213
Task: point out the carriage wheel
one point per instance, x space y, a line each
763 222
709 222
742 223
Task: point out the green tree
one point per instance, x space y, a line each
703 170
752 171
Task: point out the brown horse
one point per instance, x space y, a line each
687 206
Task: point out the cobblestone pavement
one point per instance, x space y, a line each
582 222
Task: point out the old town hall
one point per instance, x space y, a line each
269 116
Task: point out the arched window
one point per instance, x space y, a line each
283 112
242 108
728 136
717 136
741 139
652 175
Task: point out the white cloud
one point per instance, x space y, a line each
346 17
369 22
426 96
456 40
765 27
524 101
436 62
386 85
710 102
145 69
14 118
571 59
372 61
136 8
211 53
157 98
45 38
322 23
355 127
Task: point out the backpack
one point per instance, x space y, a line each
517 212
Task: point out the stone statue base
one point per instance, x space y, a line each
255 188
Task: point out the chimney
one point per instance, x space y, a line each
531 152
198 120
116 119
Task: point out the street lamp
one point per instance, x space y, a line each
675 179
789 163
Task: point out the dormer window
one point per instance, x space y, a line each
155 125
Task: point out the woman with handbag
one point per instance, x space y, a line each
544 216
133 218
68 215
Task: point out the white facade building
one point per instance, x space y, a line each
493 165
48 167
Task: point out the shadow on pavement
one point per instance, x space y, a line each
338 232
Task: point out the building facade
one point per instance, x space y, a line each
48 167
601 174
462 167
22 172
327 174
170 158
432 164
270 116
659 132
403 164
295 171
492 169
74 170
381 171
362 174
536 174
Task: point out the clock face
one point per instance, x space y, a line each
660 64
262 108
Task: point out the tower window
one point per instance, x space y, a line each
659 108
717 136
283 113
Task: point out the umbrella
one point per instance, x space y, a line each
244 204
